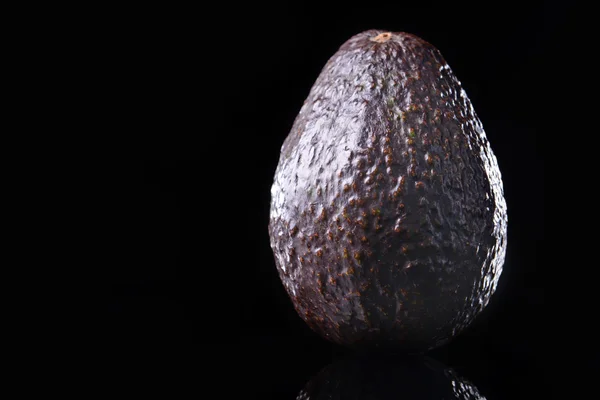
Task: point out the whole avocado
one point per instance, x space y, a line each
388 221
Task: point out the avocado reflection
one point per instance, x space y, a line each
382 379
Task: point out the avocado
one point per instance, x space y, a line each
358 378
387 220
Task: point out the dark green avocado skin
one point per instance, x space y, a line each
388 221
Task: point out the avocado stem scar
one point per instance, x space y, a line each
382 37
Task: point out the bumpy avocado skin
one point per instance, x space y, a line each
388 221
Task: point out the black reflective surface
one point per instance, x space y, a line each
291 367
388 378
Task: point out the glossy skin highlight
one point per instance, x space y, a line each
388 221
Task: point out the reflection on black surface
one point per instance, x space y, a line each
381 379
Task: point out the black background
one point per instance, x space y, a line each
211 95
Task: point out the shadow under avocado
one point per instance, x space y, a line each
382 378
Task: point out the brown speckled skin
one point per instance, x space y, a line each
388 221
